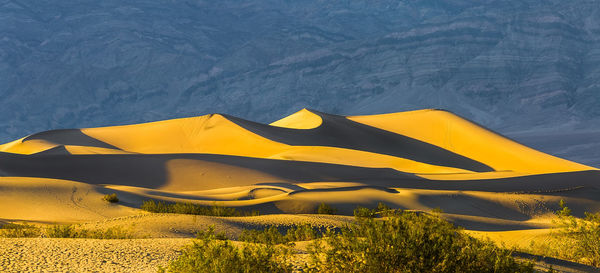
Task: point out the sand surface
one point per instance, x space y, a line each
87 255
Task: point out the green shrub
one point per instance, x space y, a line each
325 209
304 232
111 198
381 210
62 231
363 212
409 242
581 236
437 210
190 208
385 211
108 233
404 242
19 231
272 236
209 254
565 211
210 234
574 239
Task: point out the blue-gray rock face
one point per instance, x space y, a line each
521 67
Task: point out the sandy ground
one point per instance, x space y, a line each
87 255
145 255
165 225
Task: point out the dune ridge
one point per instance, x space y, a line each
411 160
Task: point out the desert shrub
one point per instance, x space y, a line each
437 210
574 239
10 230
409 242
269 235
210 234
385 211
382 210
403 242
272 236
580 236
362 212
111 198
382 207
190 208
210 254
72 231
61 231
325 209
108 233
303 232
564 210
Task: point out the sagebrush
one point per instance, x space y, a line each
191 208
402 242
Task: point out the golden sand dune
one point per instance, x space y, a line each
411 160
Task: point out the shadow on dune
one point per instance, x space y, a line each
338 131
69 137
342 189
541 183
538 184
471 224
471 205
149 171
58 150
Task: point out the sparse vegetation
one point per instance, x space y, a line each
362 212
190 208
403 242
111 198
210 253
437 210
564 210
19 231
575 239
63 231
382 210
326 209
409 242
71 231
272 235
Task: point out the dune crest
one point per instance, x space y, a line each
451 132
303 119
412 160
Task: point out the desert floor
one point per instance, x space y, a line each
160 238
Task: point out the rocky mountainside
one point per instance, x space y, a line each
527 67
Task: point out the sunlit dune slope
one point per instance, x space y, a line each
52 200
418 149
327 138
453 133
303 119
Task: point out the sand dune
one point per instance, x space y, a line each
418 160
451 132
